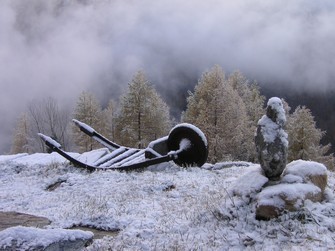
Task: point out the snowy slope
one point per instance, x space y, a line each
169 209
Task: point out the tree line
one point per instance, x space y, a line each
225 108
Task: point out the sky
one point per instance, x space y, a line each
59 48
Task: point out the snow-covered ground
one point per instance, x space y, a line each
163 208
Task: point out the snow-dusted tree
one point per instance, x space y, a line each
219 111
110 114
250 93
88 110
21 136
143 115
46 117
305 137
254 102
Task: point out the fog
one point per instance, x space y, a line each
59 48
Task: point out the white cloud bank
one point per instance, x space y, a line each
59 48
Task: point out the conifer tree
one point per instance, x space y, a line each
89 111
305 137
21 136
219 111
110 114
253 102
143 115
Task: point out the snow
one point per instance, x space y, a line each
304 168
84 126
288 191
195 129
276 104
92 156
271 130
250 183
49 140
30 237
171 209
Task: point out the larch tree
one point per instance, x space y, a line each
218 110
110 114
305 137
21 136
88 110
251 95
143 115
253 102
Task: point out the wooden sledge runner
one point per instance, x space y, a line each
186 145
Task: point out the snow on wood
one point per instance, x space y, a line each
93 156
120 157
49 140
157 141
195 129
84 126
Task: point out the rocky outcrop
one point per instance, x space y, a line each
271 140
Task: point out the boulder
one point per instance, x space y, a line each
30 238
274 200
250 184
308 171
301 181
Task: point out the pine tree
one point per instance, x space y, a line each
219 111
305 137
21 136
89 111
143 116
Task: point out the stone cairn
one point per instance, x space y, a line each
276 187
271 140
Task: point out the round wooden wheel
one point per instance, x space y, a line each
190 144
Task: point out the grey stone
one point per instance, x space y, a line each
30 238
271 140
301 181
11 219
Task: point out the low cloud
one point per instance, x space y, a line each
58 48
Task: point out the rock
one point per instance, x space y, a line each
301 181
271 140
274 200
249 184
30 238
309 172
11 219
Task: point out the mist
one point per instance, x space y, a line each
58 48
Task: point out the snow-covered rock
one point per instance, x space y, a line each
301 181
30 238
271 139
250 184
274 200
308 171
